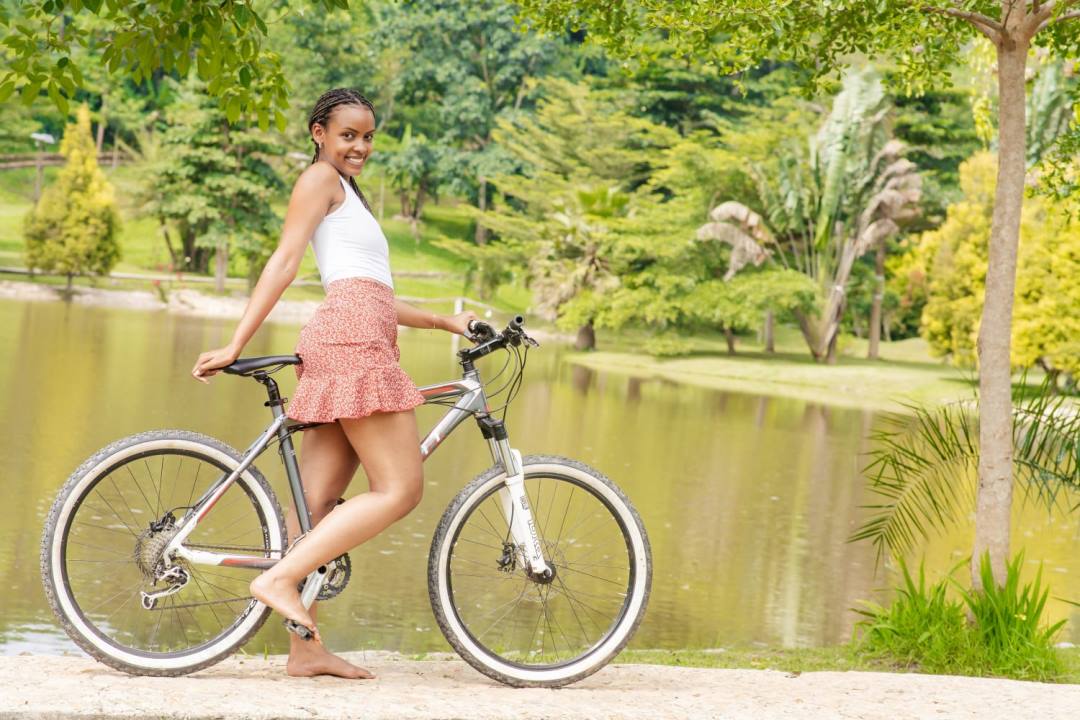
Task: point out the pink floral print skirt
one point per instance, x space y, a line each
350 356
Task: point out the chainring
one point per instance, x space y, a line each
338 572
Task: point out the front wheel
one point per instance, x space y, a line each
541 632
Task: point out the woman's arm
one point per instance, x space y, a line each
311 198
415 317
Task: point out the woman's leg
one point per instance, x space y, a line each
327 466
389 449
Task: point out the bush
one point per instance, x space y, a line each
73 228
926 629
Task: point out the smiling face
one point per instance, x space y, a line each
347 138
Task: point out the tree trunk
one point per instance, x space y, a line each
481 203
729 338
993 502
879 296
101 127
70 276
770 323
809 333
221 264
586 337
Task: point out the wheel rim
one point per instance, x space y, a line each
533 625
102 577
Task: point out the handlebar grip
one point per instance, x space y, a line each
515 323
480 328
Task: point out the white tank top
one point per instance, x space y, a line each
349 243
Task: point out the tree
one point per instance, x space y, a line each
1048 293
215 183
924 39
827 201
475 65
224 43
580 155
72 230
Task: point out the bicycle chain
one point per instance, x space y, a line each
200 604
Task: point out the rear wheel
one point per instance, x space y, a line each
102 554
528 631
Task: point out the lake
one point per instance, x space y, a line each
748 500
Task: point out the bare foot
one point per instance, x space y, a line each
281 595
319 661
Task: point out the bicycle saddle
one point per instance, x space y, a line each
246 366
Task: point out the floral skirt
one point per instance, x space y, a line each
350 356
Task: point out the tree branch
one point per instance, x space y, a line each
980 22
1063 17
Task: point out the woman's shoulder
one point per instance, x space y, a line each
318 178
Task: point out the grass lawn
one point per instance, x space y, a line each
906 371
839 658
143 248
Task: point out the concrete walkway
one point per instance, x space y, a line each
257 688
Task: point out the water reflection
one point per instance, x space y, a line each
748 500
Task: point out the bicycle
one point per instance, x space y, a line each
539 570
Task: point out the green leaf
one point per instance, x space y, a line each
59 100
6 89
232 110
279 120
242 15
29 93
245 76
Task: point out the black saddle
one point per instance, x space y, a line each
249 366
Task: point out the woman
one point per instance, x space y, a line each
350 378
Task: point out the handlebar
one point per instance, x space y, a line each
488 339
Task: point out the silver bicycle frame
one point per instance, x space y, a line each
471 400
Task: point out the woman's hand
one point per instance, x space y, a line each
211 362
458 323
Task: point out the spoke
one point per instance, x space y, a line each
95 547
516 601
582 572
474 542
198 583
135 482
153 485
494 531
191 495
113 597
554 619
114 512
102 527
563 523
571 598
572 608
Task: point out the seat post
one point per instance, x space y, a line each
275 402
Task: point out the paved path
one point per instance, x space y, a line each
257 688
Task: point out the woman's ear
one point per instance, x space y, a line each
318 134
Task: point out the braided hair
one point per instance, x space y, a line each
324 108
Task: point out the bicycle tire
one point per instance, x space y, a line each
489 662
69 499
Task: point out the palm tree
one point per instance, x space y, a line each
826 204
924 467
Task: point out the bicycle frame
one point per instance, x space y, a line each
471 401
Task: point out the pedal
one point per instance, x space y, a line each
298 629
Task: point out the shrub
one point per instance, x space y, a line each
926 629
72 229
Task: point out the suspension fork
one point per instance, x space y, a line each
514 500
